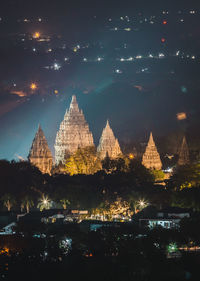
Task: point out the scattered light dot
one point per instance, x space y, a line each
181 116
33 86
36 35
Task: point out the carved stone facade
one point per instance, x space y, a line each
40 154
73 133
151 157
108 144
184 157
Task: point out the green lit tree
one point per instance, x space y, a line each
187 176
83 161
158 175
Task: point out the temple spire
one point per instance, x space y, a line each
73 133
40 154
183 158
74 104
151 157
108 144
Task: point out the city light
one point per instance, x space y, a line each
56 66
44 203
33 86
36 35
131 156
140 205
181 116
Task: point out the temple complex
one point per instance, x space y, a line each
40 154
73 133
108 144
151 157
183 158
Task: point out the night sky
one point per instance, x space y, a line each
137 98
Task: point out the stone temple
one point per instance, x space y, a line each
40 154
151 157
108 144
73 133
184 157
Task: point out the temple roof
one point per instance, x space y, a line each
151 157
73 133
39 146
183 158
108 144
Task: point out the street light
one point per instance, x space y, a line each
44 203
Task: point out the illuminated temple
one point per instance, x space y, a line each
73 133
184 157
40 154
151 157
108 144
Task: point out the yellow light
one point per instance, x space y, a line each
33 86
36 35
131 156
56 92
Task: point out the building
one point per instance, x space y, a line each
166 218
73 133
151 157
40 154
183 158
108 144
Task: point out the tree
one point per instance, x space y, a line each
115 165
65 202
83 161
158 175
27 203
8 201
187 176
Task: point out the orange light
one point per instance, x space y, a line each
33 86
181 116
163 40
164 22
131 156
36 35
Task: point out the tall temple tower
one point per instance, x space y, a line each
184 157
151 157
40 154
73 133
108 144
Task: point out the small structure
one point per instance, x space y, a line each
40 154
108 144
166 218
184 157
151 157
